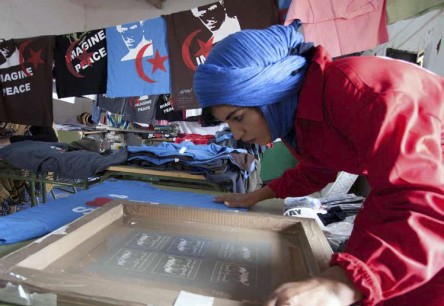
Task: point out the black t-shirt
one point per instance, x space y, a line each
165 111
38 133
81 63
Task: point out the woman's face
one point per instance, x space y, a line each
246 123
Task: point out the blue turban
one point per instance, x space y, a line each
256 68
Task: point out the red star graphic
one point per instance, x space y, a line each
205 48
157 62
35 59
85 58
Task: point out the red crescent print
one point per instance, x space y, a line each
186 50
68 60
139 65
133 101
21 57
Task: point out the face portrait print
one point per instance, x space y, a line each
133 35
214 17
9 55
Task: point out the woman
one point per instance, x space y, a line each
372 116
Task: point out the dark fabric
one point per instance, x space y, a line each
90 143
165 111
134 109
38 133
26 81
114 105
42 157
189 41
334 214
142 109
81 63
230 181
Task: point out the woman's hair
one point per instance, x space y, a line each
207 118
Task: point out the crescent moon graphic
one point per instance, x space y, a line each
139 65
186 50
22 58
68 60
133 101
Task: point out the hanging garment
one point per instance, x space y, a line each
342 27
138 62
165 111
142 109
116 106
81 63
191 36
26 81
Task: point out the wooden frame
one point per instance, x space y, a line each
127 253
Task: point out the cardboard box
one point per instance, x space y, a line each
128 253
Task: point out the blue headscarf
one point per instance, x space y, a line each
256 68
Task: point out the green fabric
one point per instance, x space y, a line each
402 9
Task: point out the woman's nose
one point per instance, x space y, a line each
237 133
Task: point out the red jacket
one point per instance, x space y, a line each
381 118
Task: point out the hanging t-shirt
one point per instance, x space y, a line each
116 106
191 35
342 27
165 111
26 80
142 109
138 62
81 63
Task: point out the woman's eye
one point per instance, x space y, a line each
238 118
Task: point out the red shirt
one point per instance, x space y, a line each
381 118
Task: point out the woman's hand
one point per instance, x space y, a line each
333 288
246 200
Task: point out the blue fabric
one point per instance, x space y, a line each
129 75
43 219
187 152
256 68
